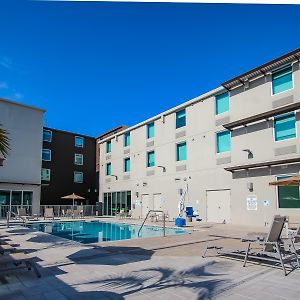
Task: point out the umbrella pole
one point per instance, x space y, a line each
73 209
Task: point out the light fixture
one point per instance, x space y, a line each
115 176
163 168
250 153
250 186
137 194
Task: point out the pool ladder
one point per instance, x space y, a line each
154 211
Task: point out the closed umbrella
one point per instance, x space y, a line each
289 181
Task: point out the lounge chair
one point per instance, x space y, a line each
49 213
22 214
18 259
272 243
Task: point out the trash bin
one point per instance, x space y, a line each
180 222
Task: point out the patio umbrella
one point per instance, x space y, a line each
73 197
289 181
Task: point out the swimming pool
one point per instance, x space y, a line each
96 231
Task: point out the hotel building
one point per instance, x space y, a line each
223 147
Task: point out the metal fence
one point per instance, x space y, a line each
59 210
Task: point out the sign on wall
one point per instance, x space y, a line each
251 203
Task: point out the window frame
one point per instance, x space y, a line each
148 127
278 70
49 174
77 154
147 158
50 153
106 169
126 134
216 140
176 151
280 117
176 118
49 131
78 172
224 112
110 147
124 165
75 141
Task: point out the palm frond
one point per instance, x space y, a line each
4 142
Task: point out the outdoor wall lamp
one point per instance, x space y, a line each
163 168
137 194
250 186
115 176
250 153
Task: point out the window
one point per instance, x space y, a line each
45 174
222 103
223 141
108 146
78 159
150 130
127 164
288 196
47 135
108 169
285 127
150 159
282 80
79 141
181 151
46 155
180 118
126 139
78 177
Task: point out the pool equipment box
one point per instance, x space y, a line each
180 222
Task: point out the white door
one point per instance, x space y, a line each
157 202
218 206
145 205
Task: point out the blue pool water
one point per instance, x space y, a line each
95 231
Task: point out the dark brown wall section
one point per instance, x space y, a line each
62 168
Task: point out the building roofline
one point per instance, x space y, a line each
111 131
22 104
263 69
167 112
68 132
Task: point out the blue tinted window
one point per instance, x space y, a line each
180 118
150 159
79 141
126 164
150 130
282 80
47 135
126 139
108 169
223 141
222 103
285 127
181 151
46 155
108 147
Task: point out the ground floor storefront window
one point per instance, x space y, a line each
115 202
288 196
11 200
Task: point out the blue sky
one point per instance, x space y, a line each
95 65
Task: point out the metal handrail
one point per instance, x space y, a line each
156 211
9 213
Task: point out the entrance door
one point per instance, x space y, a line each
145 205
157 202
218 206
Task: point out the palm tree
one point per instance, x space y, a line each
4 142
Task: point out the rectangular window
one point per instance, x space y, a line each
126 139
78 177
150 130
108 146
222 103
181 151
282 80
150 159
180 119
288 196
47 135
223 141
79 141
285 127
127 164
45 174
78 159
108 169
46 155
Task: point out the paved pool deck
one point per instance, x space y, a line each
169 267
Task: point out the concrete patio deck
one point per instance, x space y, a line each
164 268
